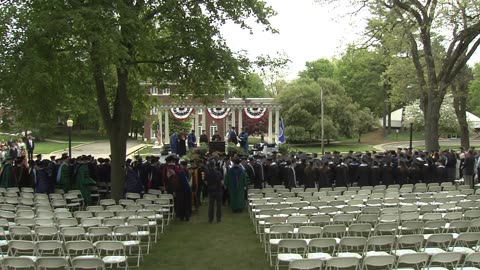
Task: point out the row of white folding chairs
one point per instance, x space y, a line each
52 262
282 188
384 245
450 260
134 230
109 252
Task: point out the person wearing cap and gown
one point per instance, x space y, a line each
375 174
300 171
250 169
183 193
291 179
341 174
64 174
236 181
324 175
174 143
83 181
364 174
309 175
387 174
43 183
21 177
182 143
401 173
6 174
272 172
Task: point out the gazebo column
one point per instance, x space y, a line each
270 112
204 119
167 128
234 111
277 124
240 120
196 124
160 128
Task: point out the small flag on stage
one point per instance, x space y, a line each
281 135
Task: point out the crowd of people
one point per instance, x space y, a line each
181 141
224 179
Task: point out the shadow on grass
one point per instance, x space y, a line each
198 245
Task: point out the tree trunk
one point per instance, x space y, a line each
460 105
389 122
432 117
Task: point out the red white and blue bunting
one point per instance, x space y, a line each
255 113
218 113
181 113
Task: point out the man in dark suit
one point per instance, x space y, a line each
30 145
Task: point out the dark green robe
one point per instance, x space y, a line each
6 175
236 181
64 177
83 181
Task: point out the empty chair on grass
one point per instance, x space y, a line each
289 250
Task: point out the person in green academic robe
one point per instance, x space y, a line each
6 175
236 181
64 174
83 181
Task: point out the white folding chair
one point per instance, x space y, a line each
306 264
112 253
80 249
352 247
44 263
437 243
471 262
49 248
289 250
88 263
379 262
440 261
342 263
321 248
419 260
408 244
18 263
128 236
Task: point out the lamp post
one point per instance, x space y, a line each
70 125
322 122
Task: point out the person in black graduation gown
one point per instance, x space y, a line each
249 169
441 171
309 175
401 173
375 174
353 170
182 147
259 173
324 176
291 180
364 174
341 174
272 173
387 174
300 171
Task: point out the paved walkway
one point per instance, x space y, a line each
99 148
405 144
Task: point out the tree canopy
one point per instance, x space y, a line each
105 49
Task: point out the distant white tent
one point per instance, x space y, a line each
398 115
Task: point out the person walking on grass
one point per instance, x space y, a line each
236 181
214 181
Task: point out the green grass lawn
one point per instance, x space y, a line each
48 147
316 148
79 136
198 245
404 135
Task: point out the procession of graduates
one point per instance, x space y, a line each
45 175
368 169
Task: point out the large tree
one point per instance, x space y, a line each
112 46
455 23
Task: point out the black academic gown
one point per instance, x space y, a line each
364 175
375 175
387 175
341 175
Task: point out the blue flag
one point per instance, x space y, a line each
281 135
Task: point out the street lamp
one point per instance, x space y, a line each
69 125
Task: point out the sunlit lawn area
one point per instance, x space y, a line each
316 148
198 245
48 147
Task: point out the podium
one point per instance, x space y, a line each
216 147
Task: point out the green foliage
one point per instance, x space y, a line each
284 148
197 152
252 87
360 71
473 100
301 110
232 149
321 68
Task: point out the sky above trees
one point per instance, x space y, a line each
307 31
